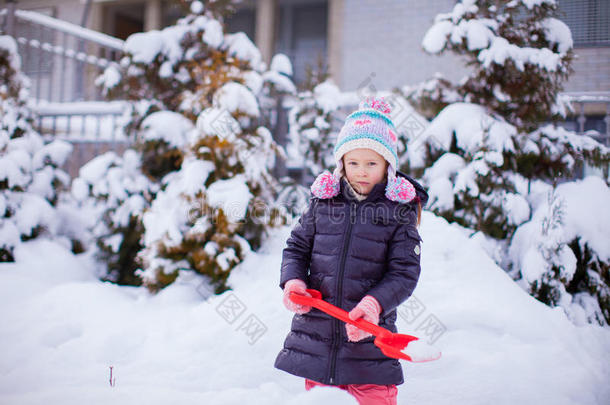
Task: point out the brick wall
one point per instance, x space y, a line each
591 70
381 46
381 43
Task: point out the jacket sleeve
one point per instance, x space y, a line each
403 267
297 253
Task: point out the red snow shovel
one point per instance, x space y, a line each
391 344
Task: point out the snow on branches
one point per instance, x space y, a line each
519 51
199 115
31 181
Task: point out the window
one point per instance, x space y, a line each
302 35
244 21
589 21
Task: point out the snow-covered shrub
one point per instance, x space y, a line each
161 138
216 194
551 152
432 95
113 193
484 151
31 181
312 136
519 53
562 255
467 177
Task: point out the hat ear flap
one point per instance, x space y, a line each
326 185
399 189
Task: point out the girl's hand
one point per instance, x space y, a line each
369 309
298 286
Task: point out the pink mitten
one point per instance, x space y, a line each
369 309
299 287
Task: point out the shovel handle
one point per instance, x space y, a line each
316 301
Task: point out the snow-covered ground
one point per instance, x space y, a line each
62 330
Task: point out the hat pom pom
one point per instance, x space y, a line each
400 190
326 185
378 104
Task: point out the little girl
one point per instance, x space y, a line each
357 244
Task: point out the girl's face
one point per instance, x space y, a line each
364 168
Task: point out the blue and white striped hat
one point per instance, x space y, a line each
369 127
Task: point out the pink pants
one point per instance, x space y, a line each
366 394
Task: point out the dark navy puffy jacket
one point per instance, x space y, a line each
347 249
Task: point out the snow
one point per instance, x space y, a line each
10 235
55 152
260 156
435 38
486 36
327 96
585 214
145 46
197 7
34 211
253 80
218 122
439 177
167 218
12 168
281 63
112 184
444 167
534 3
232 196
167 126
501 50
235 97
110 77
573 210
556 31
8 43
64 329
240 46
95 169
470 124
281 81
420 351
212 35
516 208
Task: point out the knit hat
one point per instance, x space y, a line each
369 127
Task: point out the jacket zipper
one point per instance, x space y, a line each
337 323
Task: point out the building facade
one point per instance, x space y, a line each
373 43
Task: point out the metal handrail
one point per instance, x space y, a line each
580 99
61 59
72 29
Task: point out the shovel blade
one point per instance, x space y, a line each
407 347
